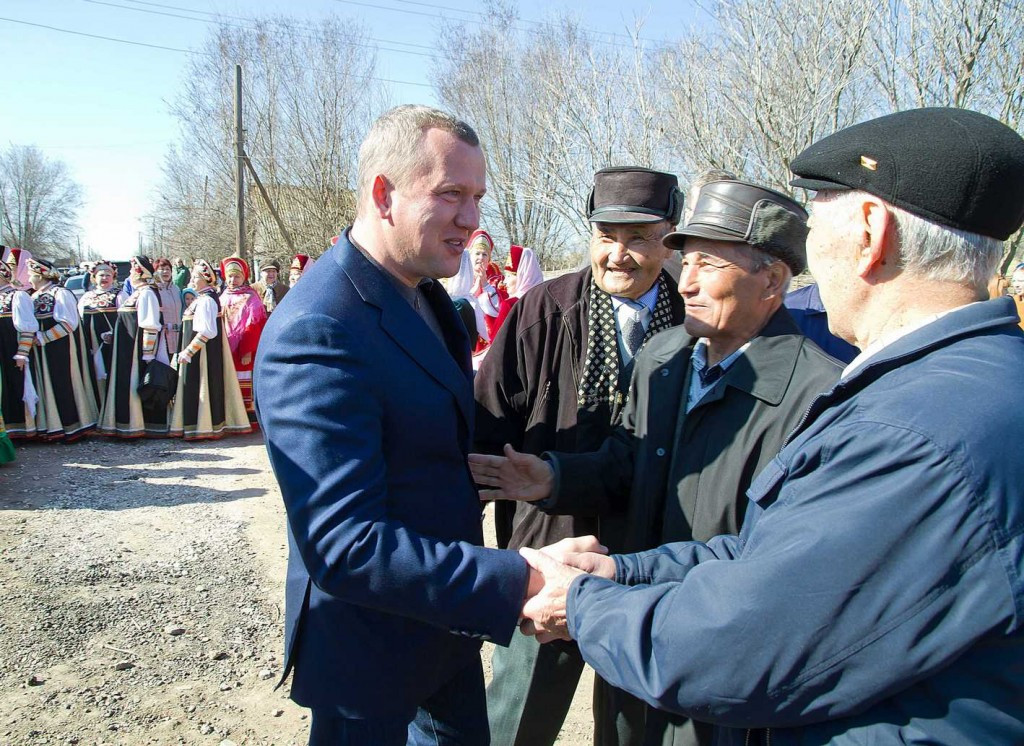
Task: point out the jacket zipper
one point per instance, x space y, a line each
767 737
572 368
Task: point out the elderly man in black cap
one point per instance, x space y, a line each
557 377
270 289
710 403
875 591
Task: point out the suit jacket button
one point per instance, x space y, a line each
664 372
660 451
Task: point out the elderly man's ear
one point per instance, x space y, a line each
880 249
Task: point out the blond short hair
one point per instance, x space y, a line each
393 145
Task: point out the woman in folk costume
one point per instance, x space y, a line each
98 310
64 377
300 263
170 301
244 319
208 403
17 260
522 272
478 284
18 327
138 339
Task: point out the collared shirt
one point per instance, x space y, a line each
627 308
887 339
699 364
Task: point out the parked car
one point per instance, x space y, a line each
78 284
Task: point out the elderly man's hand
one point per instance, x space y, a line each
544 614
573 546
517 476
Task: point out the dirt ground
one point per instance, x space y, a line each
141 597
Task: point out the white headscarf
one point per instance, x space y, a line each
21 271
461 285
528 274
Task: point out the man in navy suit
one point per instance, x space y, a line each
364 392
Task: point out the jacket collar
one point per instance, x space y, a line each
986 317
764 369
967 321
452 368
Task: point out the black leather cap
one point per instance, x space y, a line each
954 167
630 194
739 211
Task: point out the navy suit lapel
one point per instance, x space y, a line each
449 367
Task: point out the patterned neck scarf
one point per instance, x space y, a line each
599 383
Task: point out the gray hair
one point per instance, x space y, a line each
760 260
938 252
392 146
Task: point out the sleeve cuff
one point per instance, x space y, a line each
549 502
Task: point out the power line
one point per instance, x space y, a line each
520 20
172 49
218 20
111 146
439 16
217 16
98 36
221 22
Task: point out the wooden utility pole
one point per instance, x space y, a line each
239 166
270 206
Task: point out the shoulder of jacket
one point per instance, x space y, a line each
811 355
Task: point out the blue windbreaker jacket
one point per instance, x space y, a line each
874 594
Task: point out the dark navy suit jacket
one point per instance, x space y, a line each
368 421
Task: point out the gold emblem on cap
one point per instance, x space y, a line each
869 163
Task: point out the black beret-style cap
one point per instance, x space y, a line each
630 194
733 210
954 167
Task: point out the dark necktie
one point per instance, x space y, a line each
633 330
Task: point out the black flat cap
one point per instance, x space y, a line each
738 211
954 167
630 194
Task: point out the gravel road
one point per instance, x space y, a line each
142 597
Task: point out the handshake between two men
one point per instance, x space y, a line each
525 477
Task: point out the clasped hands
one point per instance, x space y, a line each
552 571
523 476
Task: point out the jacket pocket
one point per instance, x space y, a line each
764 489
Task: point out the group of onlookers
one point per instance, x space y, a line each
1012 286
167 353
484 294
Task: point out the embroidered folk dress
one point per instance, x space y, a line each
63 375
244 318
98 310
18 327
208 403
137 334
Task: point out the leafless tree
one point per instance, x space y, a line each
552 105
309 95
39 202
763 82
961 53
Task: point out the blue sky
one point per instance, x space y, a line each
101 106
